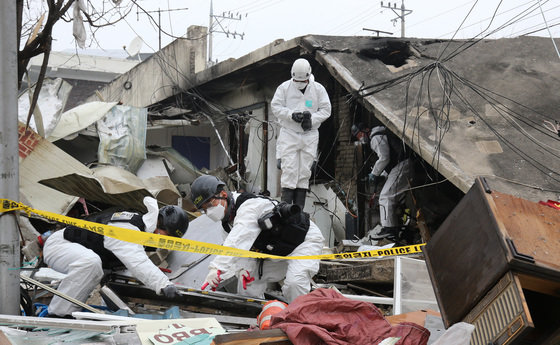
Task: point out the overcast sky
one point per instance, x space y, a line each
263 21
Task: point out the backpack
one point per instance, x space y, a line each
282 229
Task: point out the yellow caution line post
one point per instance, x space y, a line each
185 245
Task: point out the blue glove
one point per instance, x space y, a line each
297 117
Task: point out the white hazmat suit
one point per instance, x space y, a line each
83 267
297 274
297 148
396 182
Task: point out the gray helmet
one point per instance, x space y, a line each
204 188
174 220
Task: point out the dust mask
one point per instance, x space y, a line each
216 213
300 84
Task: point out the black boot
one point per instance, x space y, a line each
389 232
299 197
288 195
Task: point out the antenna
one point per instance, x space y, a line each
134 47
159 10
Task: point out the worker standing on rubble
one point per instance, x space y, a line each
392 159
300 104
82 255
252 220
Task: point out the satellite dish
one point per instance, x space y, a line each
134 47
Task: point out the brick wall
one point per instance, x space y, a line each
345 154
27 140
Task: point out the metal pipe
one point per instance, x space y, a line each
9 160
60 294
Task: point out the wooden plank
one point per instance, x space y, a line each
4 339
269 336
418 317
379 271
538 284
534 228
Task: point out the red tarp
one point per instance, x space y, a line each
324 316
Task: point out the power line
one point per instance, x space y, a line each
158 11
544 18
486 19
537 30
217 19
440 14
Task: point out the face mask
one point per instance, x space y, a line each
300 84
216 213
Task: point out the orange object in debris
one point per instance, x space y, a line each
270 308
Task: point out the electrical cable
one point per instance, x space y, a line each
548 29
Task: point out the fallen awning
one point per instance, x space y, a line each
115 186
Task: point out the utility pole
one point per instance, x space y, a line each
9 161
159 17
404 12
217 20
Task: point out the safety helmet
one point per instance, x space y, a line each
204 188
173 219
301 70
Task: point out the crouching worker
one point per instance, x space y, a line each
83 254
259 224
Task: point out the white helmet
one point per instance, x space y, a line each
301 70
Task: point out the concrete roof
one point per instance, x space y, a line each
481 109
484 108
468 108
83 67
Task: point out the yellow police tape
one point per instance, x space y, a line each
185 245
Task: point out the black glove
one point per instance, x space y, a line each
297 117
279 164
170 291
306 123
374 179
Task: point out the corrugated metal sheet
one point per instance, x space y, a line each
38 160
115 186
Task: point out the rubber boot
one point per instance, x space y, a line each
299 197
288 195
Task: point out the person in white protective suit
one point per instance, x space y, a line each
393 160
82 255
241 215
300 105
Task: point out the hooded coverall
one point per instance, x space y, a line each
297 274
297 148
84 267
396 182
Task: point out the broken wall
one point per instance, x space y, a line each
162 74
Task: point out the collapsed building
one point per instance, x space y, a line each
479 118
